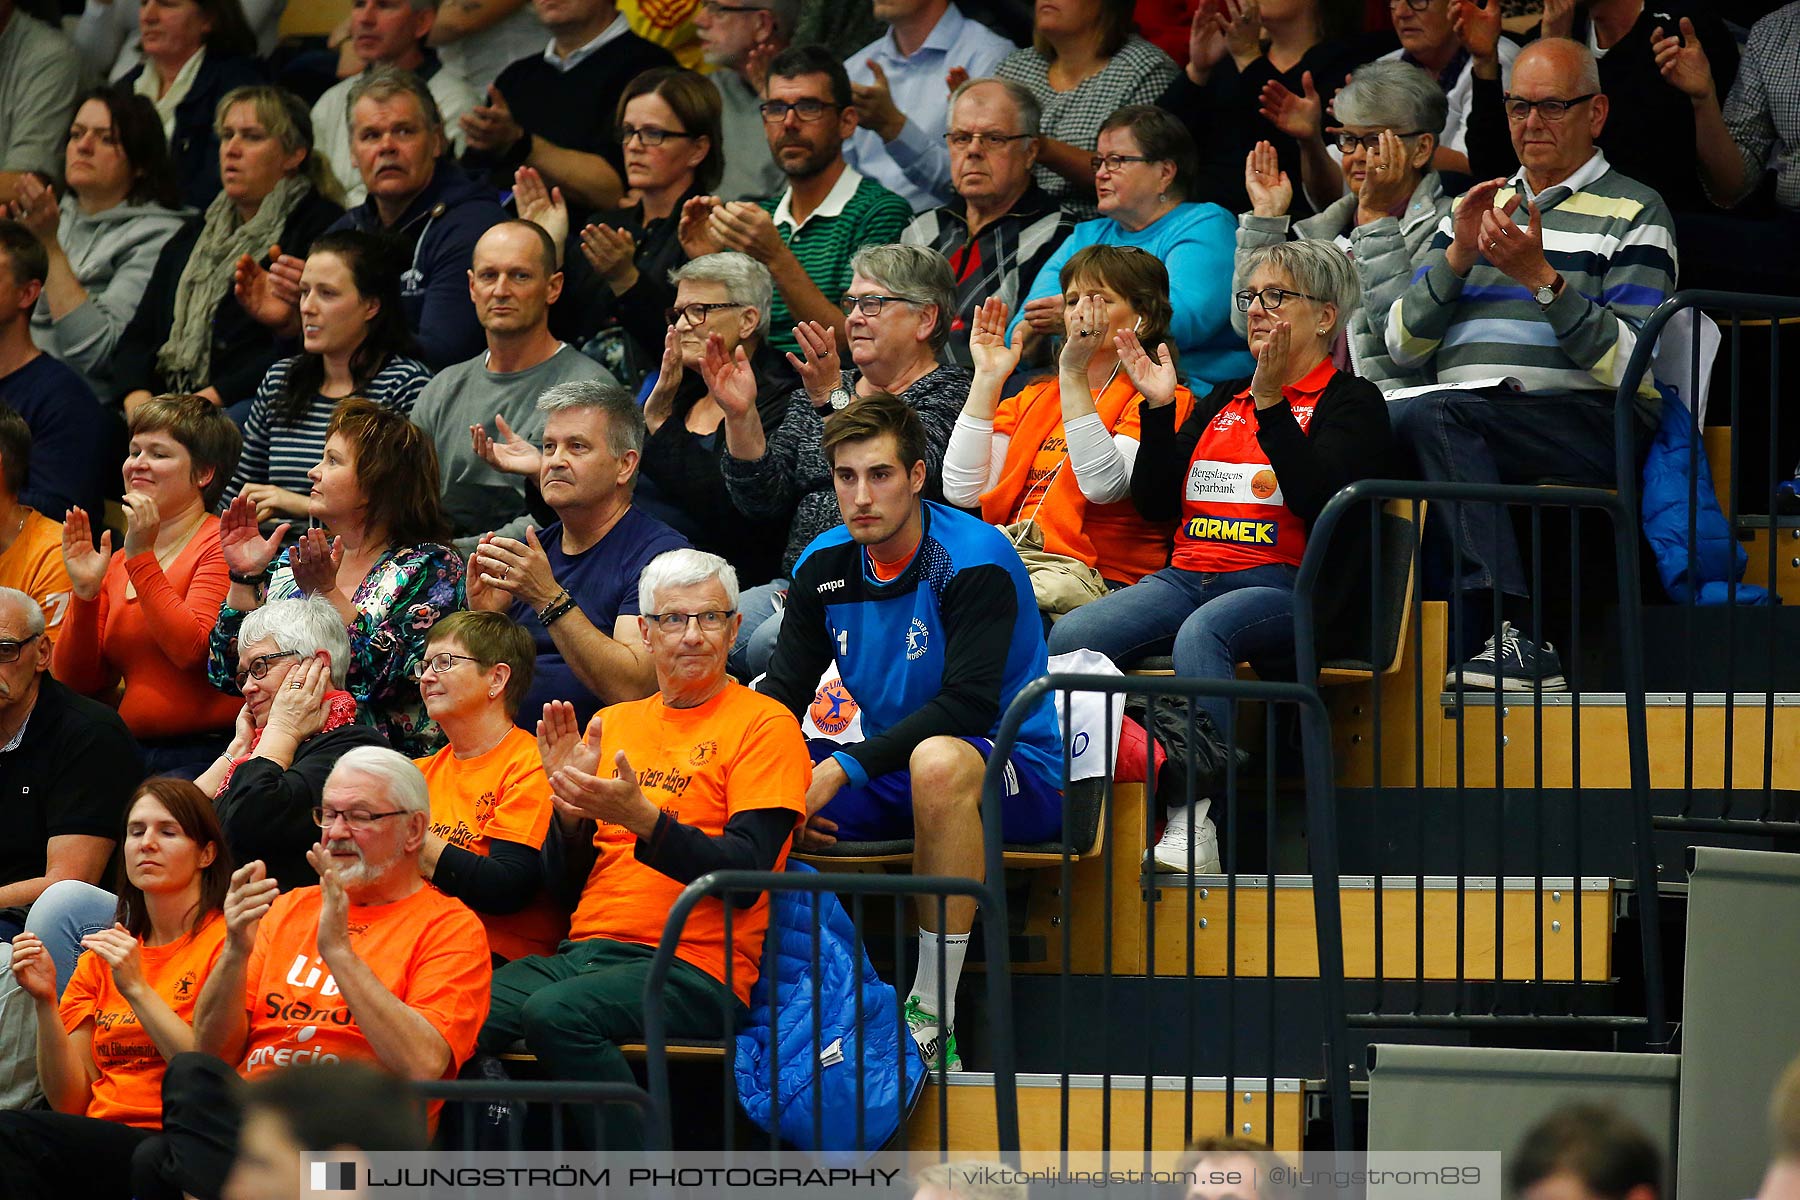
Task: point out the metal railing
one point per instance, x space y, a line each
513 1115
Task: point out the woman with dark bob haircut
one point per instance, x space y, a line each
129 1006
142 615
103 232
377 552
354 342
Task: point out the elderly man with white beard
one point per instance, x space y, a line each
371 964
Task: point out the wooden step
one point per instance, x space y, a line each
1244 1111
1296 947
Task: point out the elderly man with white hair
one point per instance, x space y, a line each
296 723
704 775
369 964
1391 116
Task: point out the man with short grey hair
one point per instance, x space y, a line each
575 586
1002 228
390 33
739 40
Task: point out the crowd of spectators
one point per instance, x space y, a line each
568 368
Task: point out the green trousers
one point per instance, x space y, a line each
574 1007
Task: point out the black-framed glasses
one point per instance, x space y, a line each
774 112
1112 162
1415 5
650 135
1271 298
713 8
871 306
711 621
962 139
358 818
694 314
259 666
440 662
10 651
1350 143
1518 108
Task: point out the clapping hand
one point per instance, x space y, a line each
1044 315
875 107
505 451
490 127
659 406
694 231
85 564
122 954
1682 61
817 364
1155 378
542 206
247 552
271 295
1466 242
728 377
33 968
988 349
520 569
143 519
1477 27
248 899
1271 192
613 255
746 227
1518 252
37 209
272 501
560 743
334 901
1299 117
1274 365
579 794
314 560
1558 20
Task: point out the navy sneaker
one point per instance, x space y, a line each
1511 663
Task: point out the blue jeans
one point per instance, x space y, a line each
65 913
1217 621
761 608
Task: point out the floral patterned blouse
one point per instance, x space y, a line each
405 593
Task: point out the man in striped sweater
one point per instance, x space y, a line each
1544 279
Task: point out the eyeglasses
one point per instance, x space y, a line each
694 314
1349 142
1415 5
357 818
651 135
711 621
259 666
439 663
9 651
1112 162
962 139
774 112
713 8
1271 298
871 306
1519 109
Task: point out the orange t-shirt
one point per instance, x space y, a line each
155 639
501 795
1037 482
34 565
738 752
129 1089
428 950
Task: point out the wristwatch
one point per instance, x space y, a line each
840 398
1549 292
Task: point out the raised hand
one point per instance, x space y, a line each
728 377
1384 185
1477 27
299 706
559 736
272 502
1208 42
86 565
491 127
1297 116
270 295
817 363
1682 61
612 253
748 228
542 206
246 550
1045 315
248 899
483 597
520 569
694 231
1466 244
1271 192
1558 20
314 560
122 954
875 105
37 209
505 451
616 801
1155 378
143 519
659 406
33 968
988 351
334 901
955 77
1085 329
1518 252
1272 365
1243 31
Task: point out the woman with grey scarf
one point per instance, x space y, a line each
191 335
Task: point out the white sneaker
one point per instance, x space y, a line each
1188 826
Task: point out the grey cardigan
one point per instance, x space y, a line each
1385 254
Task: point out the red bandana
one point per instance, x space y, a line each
340 710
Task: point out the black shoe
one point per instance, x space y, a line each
1515 664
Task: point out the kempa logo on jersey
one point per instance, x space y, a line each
1248 533
830 585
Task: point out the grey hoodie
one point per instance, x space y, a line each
112 254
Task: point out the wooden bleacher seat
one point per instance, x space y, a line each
680 1050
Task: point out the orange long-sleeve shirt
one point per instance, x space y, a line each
154 640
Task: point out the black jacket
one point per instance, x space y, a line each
195 147
242 350
1350 438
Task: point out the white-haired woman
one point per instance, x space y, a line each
1275 448
899 308
1392 115
297 721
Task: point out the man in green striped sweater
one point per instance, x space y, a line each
807 234
1544 279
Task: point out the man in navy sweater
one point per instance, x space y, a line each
929 616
